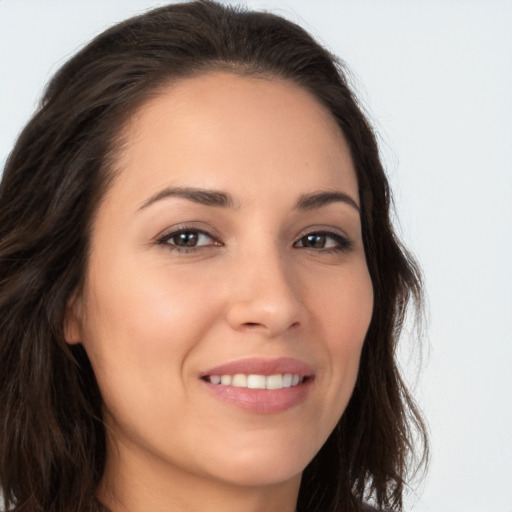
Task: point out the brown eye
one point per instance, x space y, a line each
314 241
324 240
187 239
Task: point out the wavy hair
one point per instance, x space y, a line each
52 437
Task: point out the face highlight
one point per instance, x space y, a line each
227 295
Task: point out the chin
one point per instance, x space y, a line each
255 475
262 466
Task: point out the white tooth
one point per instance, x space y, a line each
215 379
287 380
239 380
295 380
225 380
256 381
275 381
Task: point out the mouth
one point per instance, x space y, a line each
260 385
255 381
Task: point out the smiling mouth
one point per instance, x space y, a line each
254 381
259 385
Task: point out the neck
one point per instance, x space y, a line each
134 482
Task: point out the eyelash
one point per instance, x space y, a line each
165 240
343 244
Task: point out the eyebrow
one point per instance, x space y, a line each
220 199
196 195
320 199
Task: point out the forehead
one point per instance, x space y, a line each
224 130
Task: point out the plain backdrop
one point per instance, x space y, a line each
436 79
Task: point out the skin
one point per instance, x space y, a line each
152 318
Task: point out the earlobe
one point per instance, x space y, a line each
72 327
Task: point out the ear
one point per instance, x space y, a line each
72 327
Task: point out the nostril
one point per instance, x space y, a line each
255 325
251 324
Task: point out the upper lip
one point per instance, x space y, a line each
262 366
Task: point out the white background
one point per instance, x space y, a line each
436 77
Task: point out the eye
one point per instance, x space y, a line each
187 239
324 240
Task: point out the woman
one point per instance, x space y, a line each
201 291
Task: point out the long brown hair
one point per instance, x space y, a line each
52 438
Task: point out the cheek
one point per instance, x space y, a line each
141 326
344 311
145 303
343 308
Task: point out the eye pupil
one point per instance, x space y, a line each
188 239
315 241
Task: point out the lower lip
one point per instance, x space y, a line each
262 401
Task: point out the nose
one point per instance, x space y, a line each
265 296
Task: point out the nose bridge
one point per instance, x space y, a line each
264 293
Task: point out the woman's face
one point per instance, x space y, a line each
226 255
